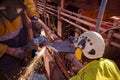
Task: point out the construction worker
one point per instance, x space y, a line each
13 33
89 50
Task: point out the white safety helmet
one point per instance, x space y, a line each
92 44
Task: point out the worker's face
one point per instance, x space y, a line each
11 9
84 60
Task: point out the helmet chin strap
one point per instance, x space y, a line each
85 59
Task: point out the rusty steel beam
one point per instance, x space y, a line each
86 18
72 58
51 67
79 15
77 19
75 62
74 24
49 64
35 64
41 8
62 3
49 32
73 17
61 66
80 20
48 8
54 7
51 9
52 13
55 11
116 35
115 44
60 23
60 63
41 11
109 37
109 41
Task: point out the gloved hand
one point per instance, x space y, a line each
38 41
44 42
20 53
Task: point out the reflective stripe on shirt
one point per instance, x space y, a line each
11 35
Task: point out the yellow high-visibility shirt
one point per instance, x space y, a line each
31 8
103 69
9 30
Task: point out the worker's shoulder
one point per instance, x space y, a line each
101 62
108 61
104 62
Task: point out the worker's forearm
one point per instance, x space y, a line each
10 50
3 49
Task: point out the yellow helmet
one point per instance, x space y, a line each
92 44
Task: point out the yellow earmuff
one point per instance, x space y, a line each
78 54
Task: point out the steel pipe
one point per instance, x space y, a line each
77 19
115 44
52 13
62 3
54 7
74 17
79 15
116 35
39 10
74 24
39 7
100 15
87 18
49 8
81 21
45 27
51 34
61 66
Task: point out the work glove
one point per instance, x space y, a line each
20 53
38 41
42 40
36 25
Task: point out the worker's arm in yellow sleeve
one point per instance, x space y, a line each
31 8
3 49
